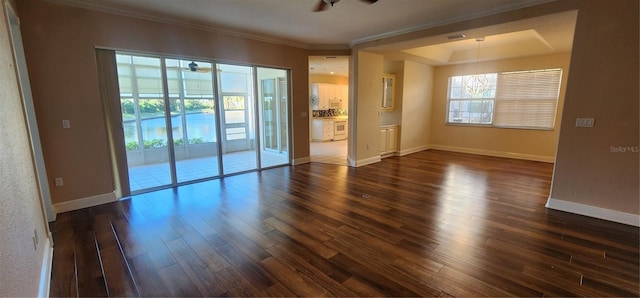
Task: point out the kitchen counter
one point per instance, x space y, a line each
333 118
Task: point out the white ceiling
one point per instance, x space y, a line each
350 22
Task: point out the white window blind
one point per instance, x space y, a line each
527 99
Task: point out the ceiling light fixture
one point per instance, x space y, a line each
193 66
456 36
478 83
331 2
324 4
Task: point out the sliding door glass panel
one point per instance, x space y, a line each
144 121
283 110
193 120
273 97
238 129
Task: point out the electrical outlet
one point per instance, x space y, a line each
59 181
66 124
584 122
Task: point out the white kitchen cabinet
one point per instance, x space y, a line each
322 130
330 96
388 139
343 96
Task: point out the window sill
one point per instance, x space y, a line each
494 126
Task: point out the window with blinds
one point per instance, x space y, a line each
522 99
527 99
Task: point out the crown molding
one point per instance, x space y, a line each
127 12
162 18
515 5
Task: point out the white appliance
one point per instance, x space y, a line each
340 130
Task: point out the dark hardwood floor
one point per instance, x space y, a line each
427 224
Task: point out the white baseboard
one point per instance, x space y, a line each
593 211
412 150
45 271
302 160
542 158
85 202
367 161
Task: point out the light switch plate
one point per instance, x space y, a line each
585 122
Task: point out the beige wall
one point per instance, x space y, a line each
523 143
59 44
603 84
368 93
20 208
415 130
328 79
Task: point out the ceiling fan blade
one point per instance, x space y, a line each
321 6
370 1
204 69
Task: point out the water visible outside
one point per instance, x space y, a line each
200 126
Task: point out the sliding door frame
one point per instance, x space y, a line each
121 174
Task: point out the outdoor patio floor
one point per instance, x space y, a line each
159 174
154 175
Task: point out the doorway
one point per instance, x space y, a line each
329 107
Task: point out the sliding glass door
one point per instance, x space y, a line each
238 128
189 120
144 117
273 94
193 119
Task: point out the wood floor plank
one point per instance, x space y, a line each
118 278
151 238
432 223
91 281
256 275
301 238
237 285
178 283
63 267
278 290
147 277
197 270
380 280
310 271
362 288
297 283
214 261
116 271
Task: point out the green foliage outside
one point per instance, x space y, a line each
127 107
196 141
157 143
157 106
133 145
